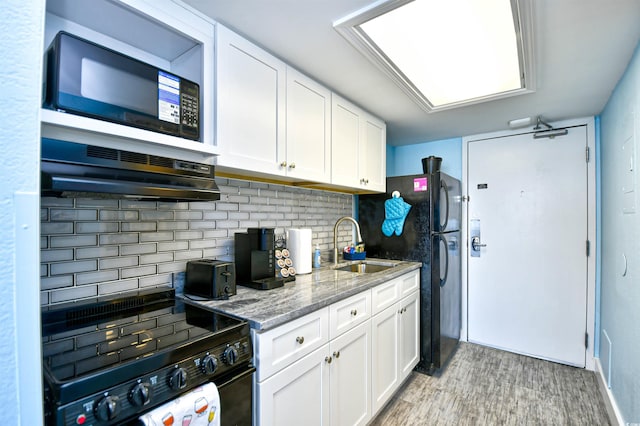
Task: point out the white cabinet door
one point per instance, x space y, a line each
297 395
358 155
350 377
372 155
409 334
345 133
308 153
251 87
384 357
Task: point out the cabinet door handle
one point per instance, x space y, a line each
300 339
292 165
354 312
328 360
336 354
283 164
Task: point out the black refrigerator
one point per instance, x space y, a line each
418 219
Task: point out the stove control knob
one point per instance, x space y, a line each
209 364
230 355
140 394
178 378
107 408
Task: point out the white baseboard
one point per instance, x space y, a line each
612 408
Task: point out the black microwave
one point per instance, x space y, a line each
87 79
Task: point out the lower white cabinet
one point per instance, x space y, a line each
348 378
395 347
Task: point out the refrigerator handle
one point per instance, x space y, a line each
442 238
443 185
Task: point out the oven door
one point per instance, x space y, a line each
236 399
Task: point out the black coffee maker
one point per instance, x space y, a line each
254 259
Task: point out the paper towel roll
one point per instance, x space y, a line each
201 406
299 245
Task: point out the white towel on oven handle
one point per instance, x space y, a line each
201 406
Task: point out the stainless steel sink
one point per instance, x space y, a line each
366 267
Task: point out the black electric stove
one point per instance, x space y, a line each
109 360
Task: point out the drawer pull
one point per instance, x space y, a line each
328 360
354 312
300 339
336 354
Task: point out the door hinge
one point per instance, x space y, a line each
586 340
465 198
588 154
588 248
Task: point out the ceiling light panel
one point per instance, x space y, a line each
445 53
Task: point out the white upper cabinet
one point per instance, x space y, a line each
271 119
358 158
163 33
308 129
251 106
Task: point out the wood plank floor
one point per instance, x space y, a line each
485 386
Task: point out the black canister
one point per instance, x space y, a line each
431 164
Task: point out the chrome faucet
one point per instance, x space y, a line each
335 236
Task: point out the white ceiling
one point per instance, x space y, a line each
581 47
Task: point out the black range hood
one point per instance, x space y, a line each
72 169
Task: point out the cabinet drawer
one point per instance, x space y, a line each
280 347
409 283
349 313
385 295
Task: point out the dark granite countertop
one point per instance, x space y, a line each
265 309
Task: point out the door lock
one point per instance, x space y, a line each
474 233
475 244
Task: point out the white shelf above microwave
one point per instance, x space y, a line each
79 129
164 33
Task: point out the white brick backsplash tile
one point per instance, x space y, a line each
44 270
56 255
156 215
73 241
56 228
249 191
138 205
227 224
75 293
238 215
118 262
215 215
188 235
56 202
120 215
96 227
126 250
200 244
173 245
226 206
44 243
216 252
238 199
73 267
50 283
248 224
214 234
156 258
138 226
96 252
206 224
97 202
156 280
173 226
75 214
203 205
121 238
188 255
258 200
156 236
138 272
189 215
118 286
170 205
164 268
44 215
96 277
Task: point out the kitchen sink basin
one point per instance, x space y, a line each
366 267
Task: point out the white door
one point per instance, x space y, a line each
527 286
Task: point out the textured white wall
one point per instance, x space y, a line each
620 291
21 33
